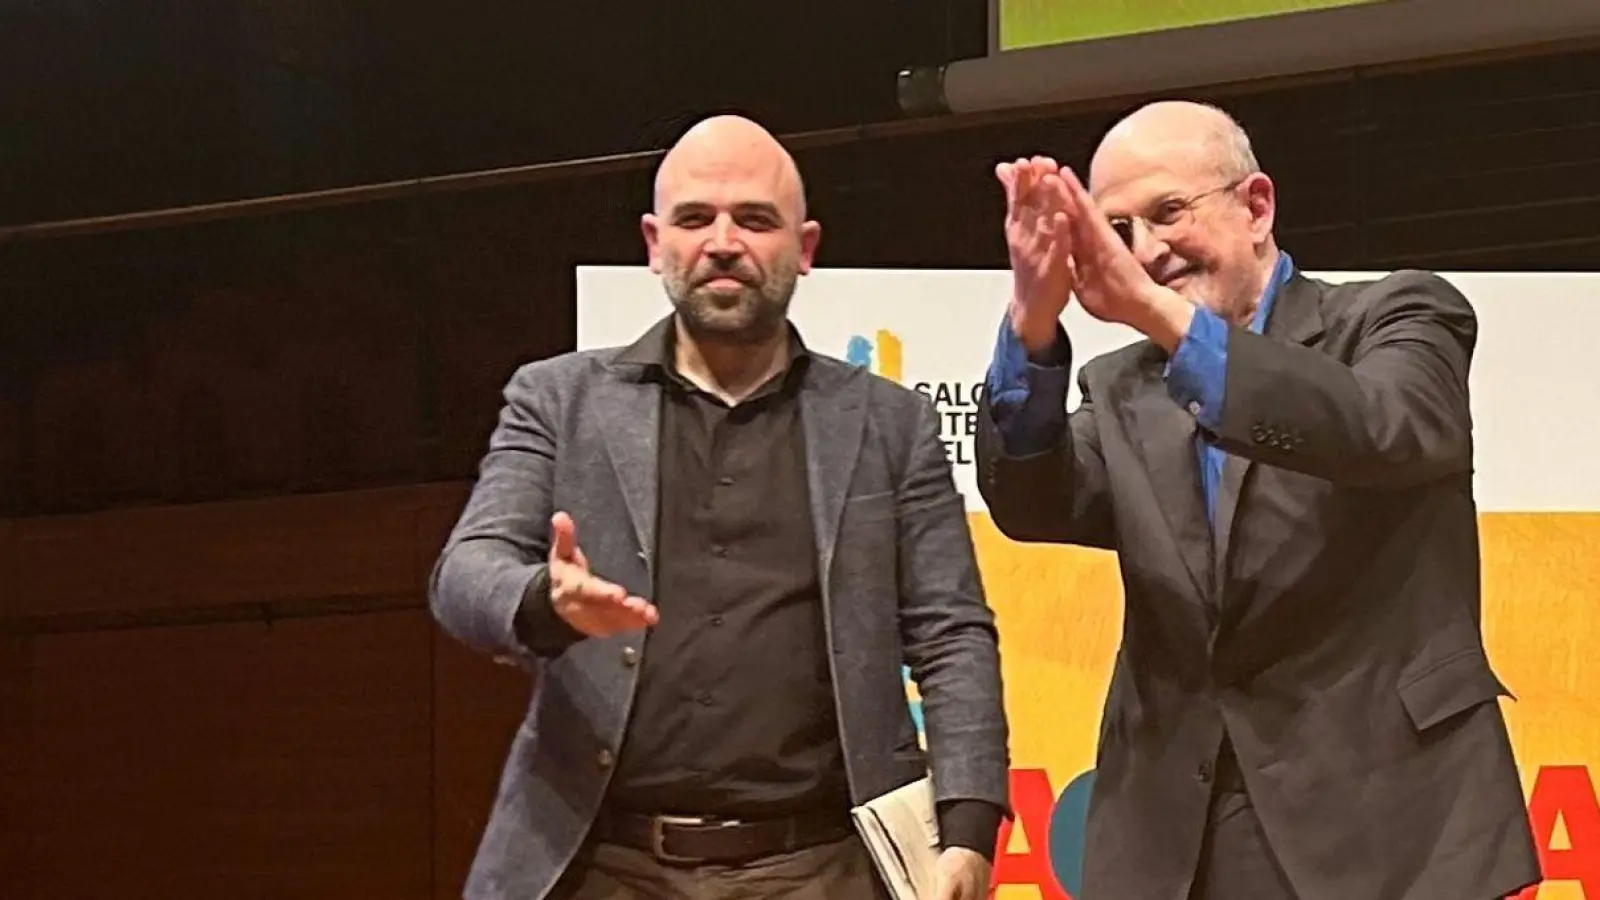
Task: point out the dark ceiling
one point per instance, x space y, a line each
118 105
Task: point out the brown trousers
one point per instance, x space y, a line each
837 871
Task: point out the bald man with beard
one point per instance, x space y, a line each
1302 706
715 548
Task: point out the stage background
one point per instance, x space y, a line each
1059 608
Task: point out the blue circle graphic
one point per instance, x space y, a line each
1068 824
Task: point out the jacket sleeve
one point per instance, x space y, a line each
1040 470
1395 416
949 636
488 588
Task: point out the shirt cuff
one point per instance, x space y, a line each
973 824
1028 395
538 626
1197 374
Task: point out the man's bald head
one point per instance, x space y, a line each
1194 136
726 146
1180 181
728 233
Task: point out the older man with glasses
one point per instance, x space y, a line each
1302 706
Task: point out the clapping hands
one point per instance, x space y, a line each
1060 246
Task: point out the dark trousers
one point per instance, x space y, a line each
1235 861
837 871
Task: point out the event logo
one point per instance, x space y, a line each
882 355
955 401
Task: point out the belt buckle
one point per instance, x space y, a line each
658 838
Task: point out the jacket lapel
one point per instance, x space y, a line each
833 414
1296 317
630 413
1166 441
628 404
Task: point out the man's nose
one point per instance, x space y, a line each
1148 248
725 241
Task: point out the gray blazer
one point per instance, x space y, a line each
1329 624
894 554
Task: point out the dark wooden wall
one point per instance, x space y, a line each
229 452
118 106
252 751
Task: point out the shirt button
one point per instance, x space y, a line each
717 621
1204 773
725 480
604 759
703 699
630 657
719 550
1194 408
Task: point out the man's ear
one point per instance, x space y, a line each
1261 199
650 227
810 237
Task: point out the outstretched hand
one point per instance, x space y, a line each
590 604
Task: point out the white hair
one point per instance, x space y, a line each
1236 156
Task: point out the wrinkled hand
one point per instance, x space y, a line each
962 874
1111 284
590 604
1040 247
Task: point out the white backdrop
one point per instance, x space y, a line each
1534 381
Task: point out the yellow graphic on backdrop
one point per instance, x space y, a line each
1059 611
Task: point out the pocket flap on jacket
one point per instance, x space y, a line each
1452 687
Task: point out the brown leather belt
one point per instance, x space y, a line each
691 840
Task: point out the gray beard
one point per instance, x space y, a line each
753 316
755 320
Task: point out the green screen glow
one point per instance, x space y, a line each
1035 23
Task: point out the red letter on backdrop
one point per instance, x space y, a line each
1566 794
1033 800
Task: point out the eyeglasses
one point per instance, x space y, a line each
1167 214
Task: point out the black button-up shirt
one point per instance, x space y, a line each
734 711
